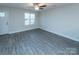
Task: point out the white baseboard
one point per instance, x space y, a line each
21 30
72 38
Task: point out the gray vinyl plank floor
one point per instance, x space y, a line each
37 42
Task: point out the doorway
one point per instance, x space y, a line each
3 23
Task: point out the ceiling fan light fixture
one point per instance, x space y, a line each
36 7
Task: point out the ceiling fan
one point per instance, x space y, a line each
38 6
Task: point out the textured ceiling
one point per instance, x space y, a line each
29 5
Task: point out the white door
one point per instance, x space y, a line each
3 23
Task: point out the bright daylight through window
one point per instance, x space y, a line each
2 14
29 18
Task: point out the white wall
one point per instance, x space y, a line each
16 19
62 21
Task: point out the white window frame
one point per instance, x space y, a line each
29 18
2 14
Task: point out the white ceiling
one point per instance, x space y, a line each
29 5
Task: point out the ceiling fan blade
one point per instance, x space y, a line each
40 8
43 6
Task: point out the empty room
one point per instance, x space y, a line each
39 28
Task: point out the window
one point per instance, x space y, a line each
2 14
29 18
32 17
